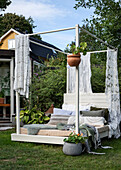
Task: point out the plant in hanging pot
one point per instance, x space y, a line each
74 58
73 144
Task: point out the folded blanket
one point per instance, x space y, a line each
33 129
62 126
93 134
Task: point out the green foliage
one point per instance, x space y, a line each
33 116
49 84
19 23
105 24
106 21
5 84
75 138
98 68
4 4
77 50
2 93
92 43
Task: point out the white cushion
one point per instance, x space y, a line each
94 120
88 120
71 120
72 107
62 112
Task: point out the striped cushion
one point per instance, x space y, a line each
55 119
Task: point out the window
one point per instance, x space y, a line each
11 44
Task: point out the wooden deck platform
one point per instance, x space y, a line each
51 136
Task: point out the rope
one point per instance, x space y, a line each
102 51
92 35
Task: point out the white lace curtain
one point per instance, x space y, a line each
84 75
22 65
111 86
112 91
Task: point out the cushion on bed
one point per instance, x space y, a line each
71 120
73 107
98 113
55 119
94 121
106 112
62 112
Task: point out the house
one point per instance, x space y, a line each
7 63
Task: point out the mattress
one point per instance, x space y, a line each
103 131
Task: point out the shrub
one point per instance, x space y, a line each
49 84
33 116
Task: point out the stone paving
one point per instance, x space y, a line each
5 128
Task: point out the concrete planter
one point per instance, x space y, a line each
72 149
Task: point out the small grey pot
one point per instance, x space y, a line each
72 149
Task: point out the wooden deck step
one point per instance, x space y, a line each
5 122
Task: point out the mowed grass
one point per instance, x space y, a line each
30 156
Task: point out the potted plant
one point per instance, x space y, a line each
73 144
4 86
74 58
2 96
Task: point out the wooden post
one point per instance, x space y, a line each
17 113
67 81
77 84
11 89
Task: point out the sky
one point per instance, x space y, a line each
51 15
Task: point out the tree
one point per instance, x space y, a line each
19 23
4 4
106 22
49 84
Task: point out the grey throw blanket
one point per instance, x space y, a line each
93 136
33 129
88 131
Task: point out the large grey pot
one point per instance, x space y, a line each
72 148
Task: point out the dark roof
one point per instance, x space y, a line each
7 53
37 52
40 51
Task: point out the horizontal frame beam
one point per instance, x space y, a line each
46 32
84 30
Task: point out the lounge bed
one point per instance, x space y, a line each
61 134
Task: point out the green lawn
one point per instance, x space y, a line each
29 156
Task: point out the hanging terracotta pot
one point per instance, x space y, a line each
73 60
